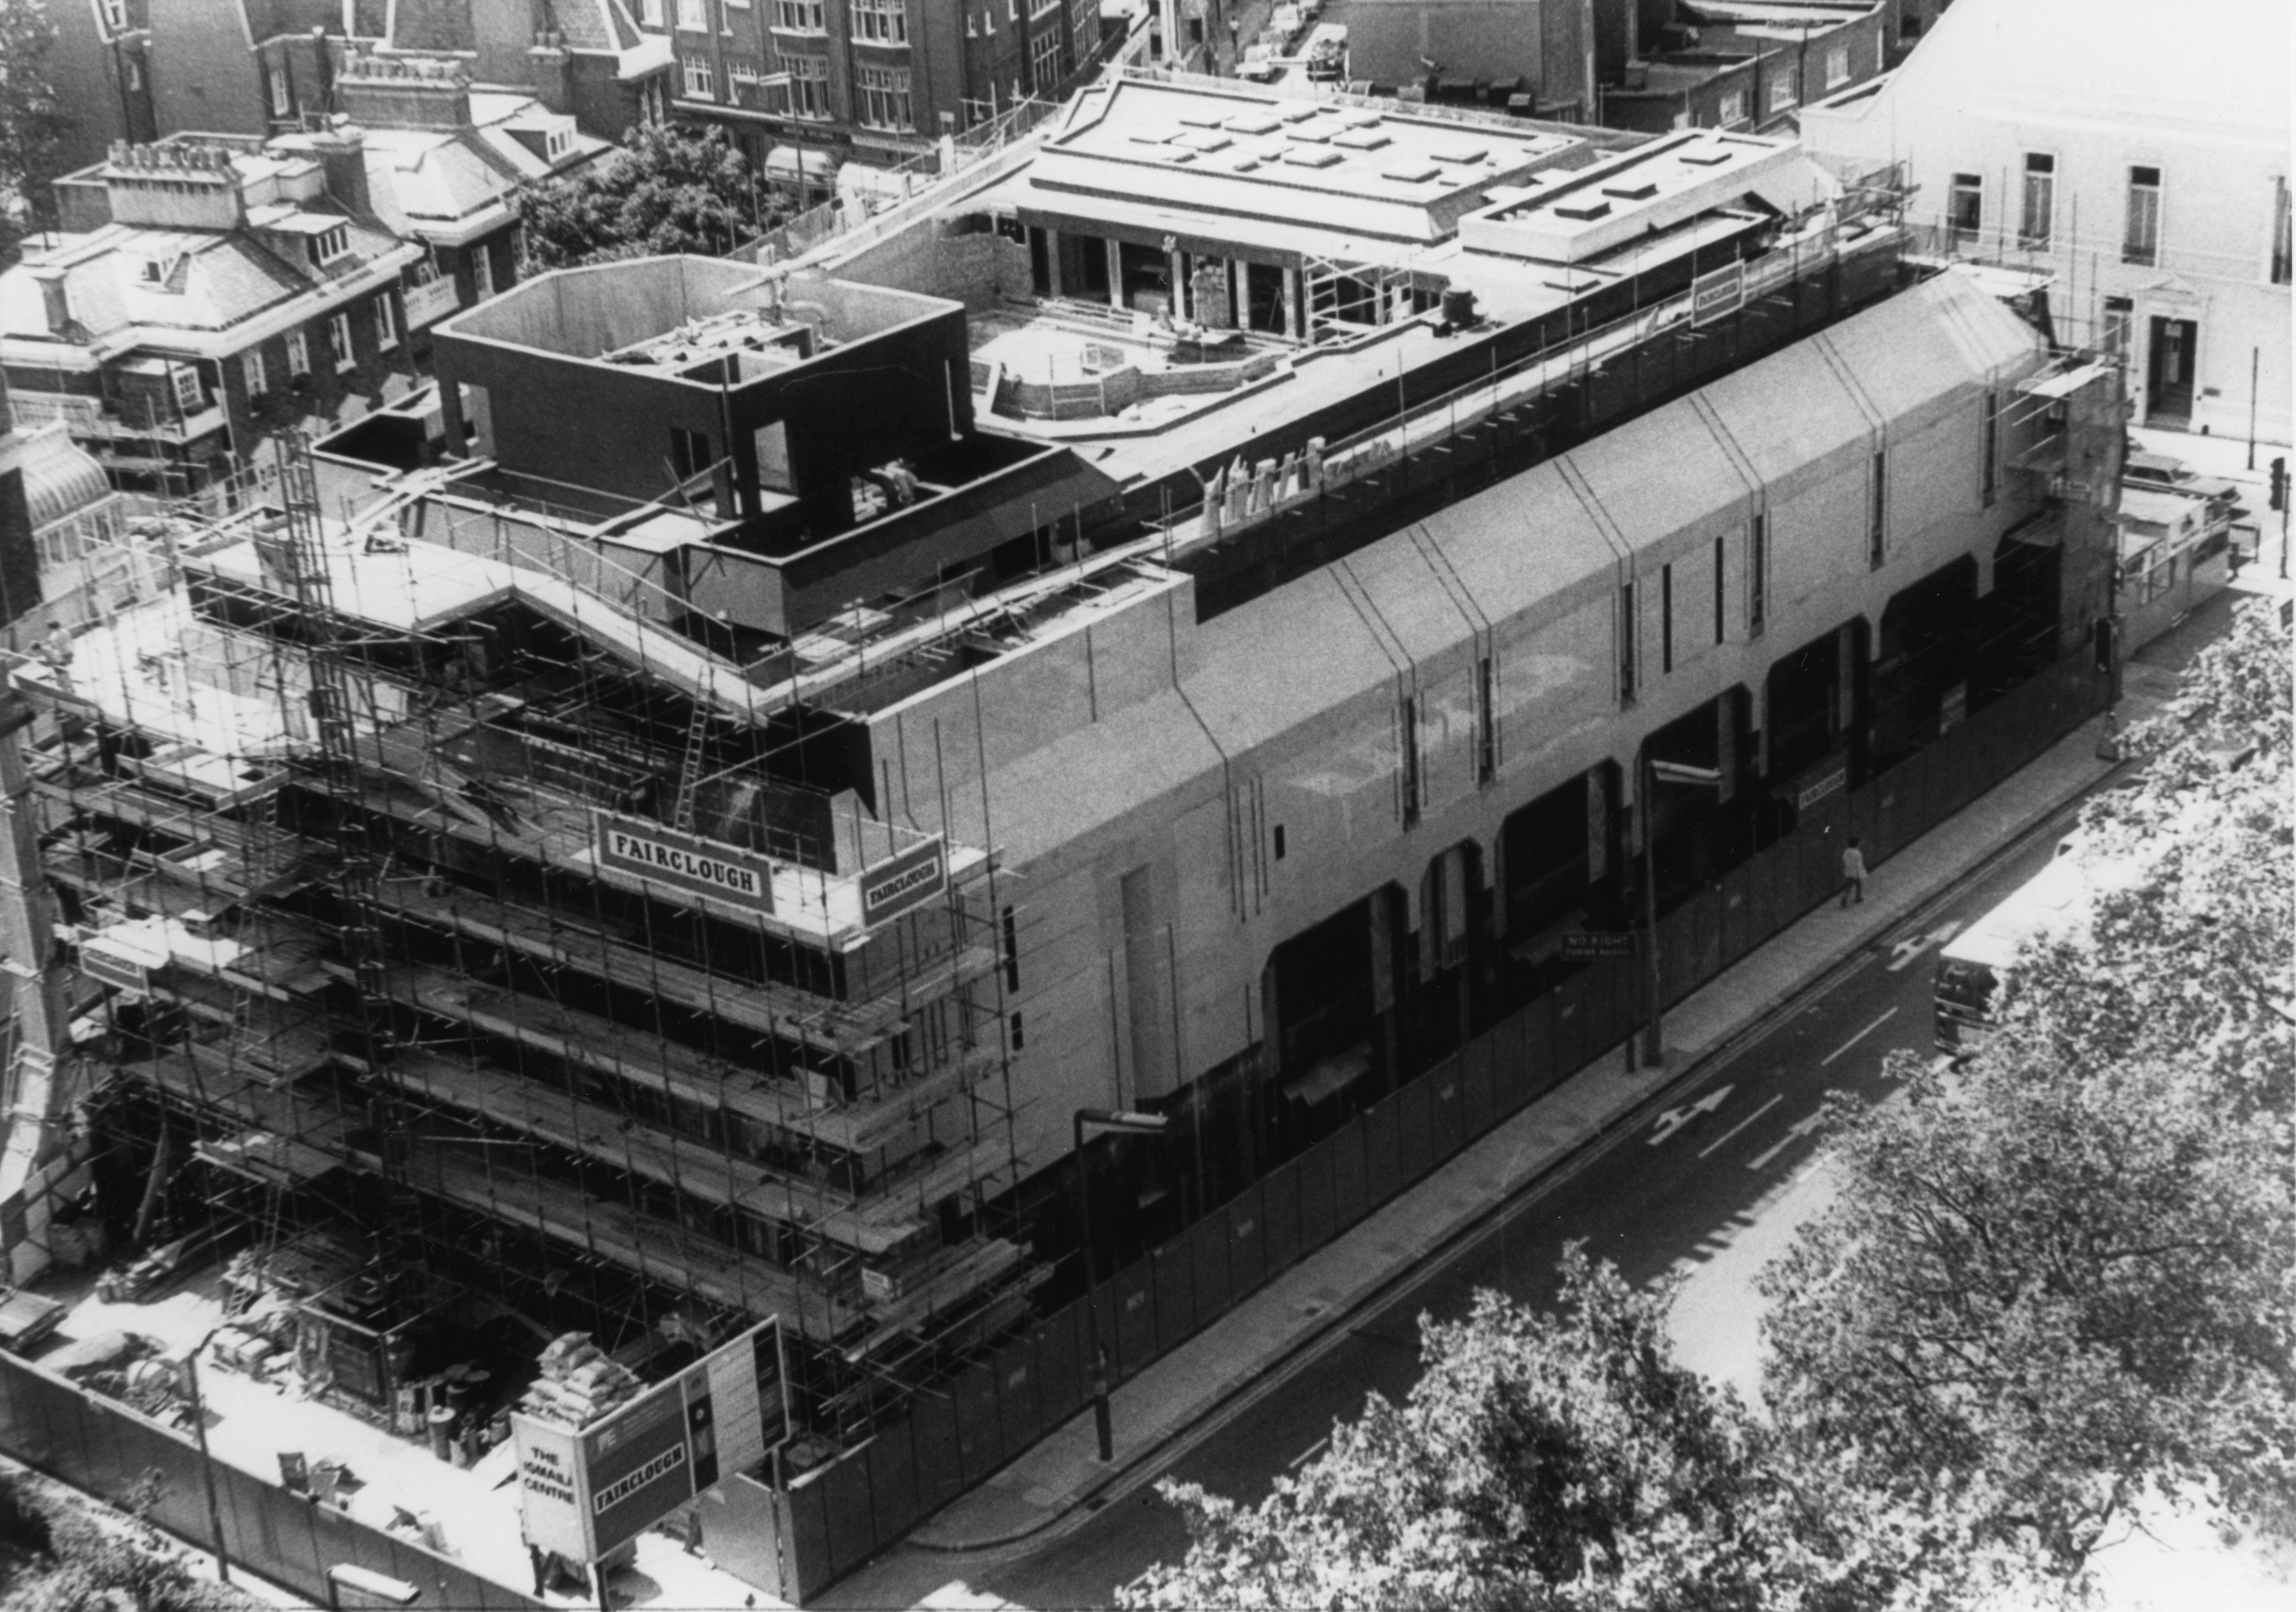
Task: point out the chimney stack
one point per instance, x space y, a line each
56 298
342 152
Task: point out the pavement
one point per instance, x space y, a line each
1245 1355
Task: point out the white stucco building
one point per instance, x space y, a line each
2141 152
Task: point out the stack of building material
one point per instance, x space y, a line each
579 1384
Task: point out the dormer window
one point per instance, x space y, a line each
556 145
115 15
329 244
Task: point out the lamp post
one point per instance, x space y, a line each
1136 1124
207 1461
1654 773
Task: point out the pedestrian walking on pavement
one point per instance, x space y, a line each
1853 875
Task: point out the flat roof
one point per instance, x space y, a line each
1386 173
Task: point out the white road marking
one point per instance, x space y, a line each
1674 1119
1906 951
1853 1040
1794 1133
1306 1455
1740 1125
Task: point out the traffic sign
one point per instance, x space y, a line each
1594 945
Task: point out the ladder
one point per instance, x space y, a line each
689 773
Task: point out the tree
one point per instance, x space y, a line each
1542 1461
671 189
2063 1275
61 1554
33 122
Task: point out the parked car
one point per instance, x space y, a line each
2159 470
25 1318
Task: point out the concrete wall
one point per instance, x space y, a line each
1189 813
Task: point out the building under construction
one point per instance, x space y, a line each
680 825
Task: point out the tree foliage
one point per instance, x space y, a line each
2062 1274
670 189
1542 1461
32 121
59 1554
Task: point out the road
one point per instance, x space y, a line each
1668 1194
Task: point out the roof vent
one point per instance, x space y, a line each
1361 139
1584 211
1311 156
1643 192
1462 154
1412 173
1708 158
1252 123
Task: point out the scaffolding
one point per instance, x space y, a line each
324 826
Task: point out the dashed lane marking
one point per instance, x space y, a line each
1853 1040
1740 1125
1794 1133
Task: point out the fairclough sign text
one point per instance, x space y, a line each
682 861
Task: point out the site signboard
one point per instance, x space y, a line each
685 864
911 879
1716 293
584 1494
1596 945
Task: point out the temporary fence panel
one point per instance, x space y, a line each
1573 1043
932 1429
979 1440
1414 1146
1478 1101
1176 1292
806 1549
1247 1238
852 1523
1279 1196
1063 1375
1016 1393
1319 1219
1351 1202
1382 1151
1131 1299
1205 1246
892 1462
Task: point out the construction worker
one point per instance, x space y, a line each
55 648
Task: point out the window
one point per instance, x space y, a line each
328 244
1731 108
808 90
1038 10
283 98
2119 312
482 271
800 16
691 18
135 76
1721 560
190 396
1279 841
1408 741
2040 200
1989 448
1019 1041
1909 26
115 15
1757 565
1045 62
299 353
726 13
1837 66
2280 238
2142 242
1486 722
1012 931
1666 618
650 13
386 323
699 85
1876 533
689 453
1626 643
250 371
338 341
885 96
883 22
1964 208
1781 93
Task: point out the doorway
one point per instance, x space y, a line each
2169 391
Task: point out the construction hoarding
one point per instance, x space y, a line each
585 1495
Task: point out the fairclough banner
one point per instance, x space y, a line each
679 861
